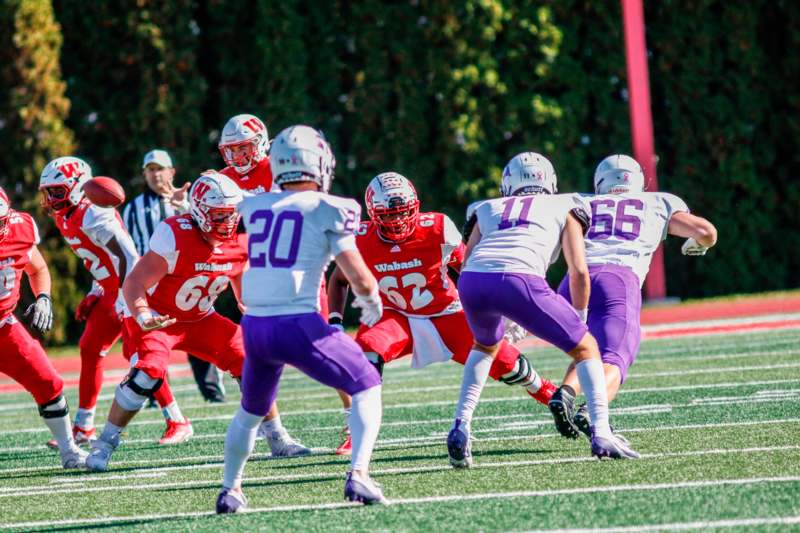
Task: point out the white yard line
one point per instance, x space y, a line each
420 501
521 398
684 526
215 460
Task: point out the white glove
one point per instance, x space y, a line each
371 307
692 247
512 331
41 312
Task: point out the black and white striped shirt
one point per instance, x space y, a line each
141 216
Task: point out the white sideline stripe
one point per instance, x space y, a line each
759 319
421 500
521 397
677 526
298 394
389 444
49 489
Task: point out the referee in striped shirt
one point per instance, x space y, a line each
141 215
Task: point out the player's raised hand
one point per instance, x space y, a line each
149 320
41 312
371 307
692 247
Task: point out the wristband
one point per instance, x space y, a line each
583 314
334 318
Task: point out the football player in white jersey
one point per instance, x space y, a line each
513 242
627 227
293 235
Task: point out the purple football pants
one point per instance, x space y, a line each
614 308
306 342
526 299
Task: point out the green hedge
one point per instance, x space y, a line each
444 92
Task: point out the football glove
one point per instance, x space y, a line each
692 247
513 332
371 307
41 313
149 320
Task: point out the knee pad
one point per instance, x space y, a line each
55 408
522 375
376 360
135 389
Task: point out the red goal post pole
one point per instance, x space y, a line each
642 123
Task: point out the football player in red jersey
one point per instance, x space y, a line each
23 358
171 292
98 236
244 144
411 253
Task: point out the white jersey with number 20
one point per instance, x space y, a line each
292 237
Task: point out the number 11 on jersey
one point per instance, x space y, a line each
522 218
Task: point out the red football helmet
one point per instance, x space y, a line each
244 142
393 206
5 214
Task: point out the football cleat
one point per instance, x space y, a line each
230 501
101 454
544 393
74 458
611 448
459 449
176 432
364 490
584 424
281 444
346 447
80 435
562 407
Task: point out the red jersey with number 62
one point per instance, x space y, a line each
15 254
197 272
87 230
412 275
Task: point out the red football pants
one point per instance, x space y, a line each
391 339
213 338
24 360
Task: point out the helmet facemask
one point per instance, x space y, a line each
55 198
243 156
221 221
398 221
5 214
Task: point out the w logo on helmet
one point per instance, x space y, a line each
200 190
254 125
70 170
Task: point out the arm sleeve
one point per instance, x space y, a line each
343 216
452 247
101 223
163 243
582 212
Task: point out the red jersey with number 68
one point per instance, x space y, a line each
412 275
258 180
15 254
88 229
197 272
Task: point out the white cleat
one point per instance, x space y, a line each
282 445
100 456
363 490
74 458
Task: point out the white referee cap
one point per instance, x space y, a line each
159 157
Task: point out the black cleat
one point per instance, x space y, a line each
582 421
562 407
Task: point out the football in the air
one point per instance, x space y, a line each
104 191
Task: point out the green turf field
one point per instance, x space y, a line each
717 420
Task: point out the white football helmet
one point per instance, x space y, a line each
61 183
618 174
5 213
393 206
528 173
301 153
213 199
244 142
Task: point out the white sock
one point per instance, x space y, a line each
84 418
365 421
274 425
173 412
239 442
347 411
111 433
62 431
476 372
593 382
